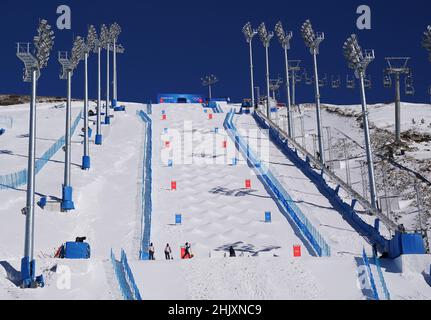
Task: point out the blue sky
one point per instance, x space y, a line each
172 44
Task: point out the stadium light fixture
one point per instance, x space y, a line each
249 34
313 40
69 64
209 81
358 61
397 66
266 37
34 60
426 41
105 39
284 39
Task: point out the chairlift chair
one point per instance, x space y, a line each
323 81
387 81
350 82
308 80
335 83
367 82
409 88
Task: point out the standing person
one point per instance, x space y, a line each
151 252
168 252
187 251
232 252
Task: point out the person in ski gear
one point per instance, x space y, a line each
232 252
187 251
151 252
168 252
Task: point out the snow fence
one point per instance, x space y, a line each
147 205
16 179
126 281
320 246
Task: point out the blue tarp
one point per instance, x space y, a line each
77 250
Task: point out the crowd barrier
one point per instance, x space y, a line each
17 179
147 205
316 240
381 277
126 281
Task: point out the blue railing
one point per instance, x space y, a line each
370 275
147 205
381 277
124 275
316 240
17 179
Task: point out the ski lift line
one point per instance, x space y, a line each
354 194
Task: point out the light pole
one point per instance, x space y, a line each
397 66
359 61
312 40
115 31
105 39
284 39
249 34
68 66
88 48
266 37
99 138
208 81
33 61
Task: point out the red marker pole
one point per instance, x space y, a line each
224 144
164 117
248 184
210 116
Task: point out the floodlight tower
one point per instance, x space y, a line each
359 61
68 66
98 49
284 39
397 66
208 81
114 31
266 37
88 48
312 40
249 34
106 40
294 67
426 41
34 61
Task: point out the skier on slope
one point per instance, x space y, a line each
151 252
187 252
168 252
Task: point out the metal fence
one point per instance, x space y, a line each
318 243
147 205
6 122
17 179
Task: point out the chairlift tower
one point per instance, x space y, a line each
294 68
249 34
284 38
359 61
274 86
209 81
265 38
69 64
313 40
397 66
34 59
